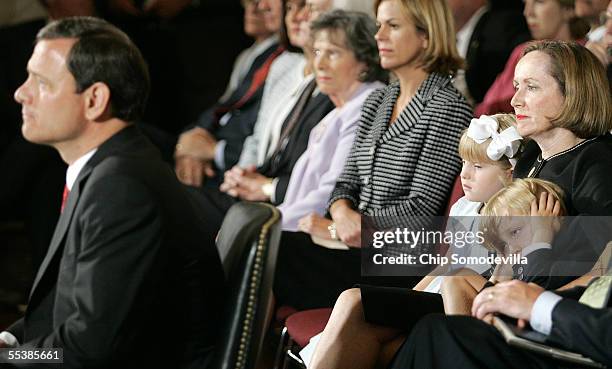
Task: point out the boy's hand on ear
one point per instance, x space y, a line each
544 222
546 206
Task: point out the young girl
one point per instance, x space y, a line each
488 148
509 230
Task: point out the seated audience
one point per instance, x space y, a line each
508 230
404 127
570 147
217 138
256 27
126 266
285 83
347 69
278 102
269 181
487 167
547 19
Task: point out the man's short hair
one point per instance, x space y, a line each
103 53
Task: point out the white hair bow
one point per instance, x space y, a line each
502 143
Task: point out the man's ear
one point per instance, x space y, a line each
97 100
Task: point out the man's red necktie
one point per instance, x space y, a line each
64 197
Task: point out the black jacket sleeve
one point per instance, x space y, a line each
580 328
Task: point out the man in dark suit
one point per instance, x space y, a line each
439 341
490 30
215 143
125 282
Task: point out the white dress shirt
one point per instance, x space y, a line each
464 35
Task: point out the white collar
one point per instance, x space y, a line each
535 247
263 45
75 168
465 33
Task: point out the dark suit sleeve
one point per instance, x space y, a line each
117 269
207 120
572 293
231 153
235 132
583 329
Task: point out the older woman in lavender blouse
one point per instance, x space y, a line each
347 70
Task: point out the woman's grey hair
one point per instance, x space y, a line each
359 30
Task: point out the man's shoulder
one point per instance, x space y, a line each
128 151
133 163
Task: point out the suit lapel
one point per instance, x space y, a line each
406 119
315 105
318 102
62 226
382 121
411 114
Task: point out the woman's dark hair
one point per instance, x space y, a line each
284 37
103 53
359 30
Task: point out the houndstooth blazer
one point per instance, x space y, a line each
407 168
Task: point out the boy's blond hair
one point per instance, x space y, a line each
516 198
477 152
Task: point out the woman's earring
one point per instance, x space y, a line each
362 75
